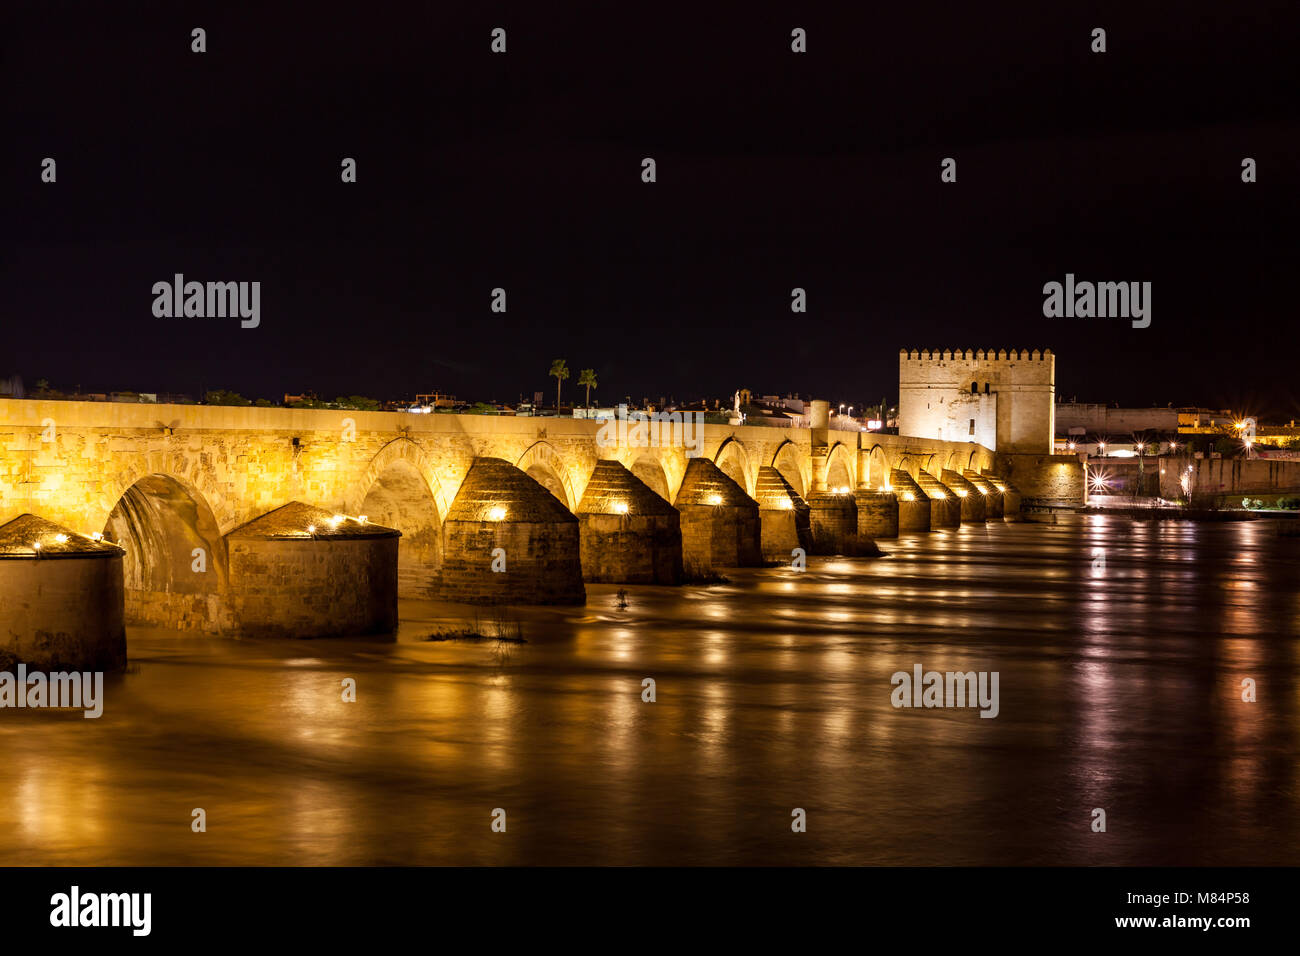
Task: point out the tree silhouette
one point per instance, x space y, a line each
559 371
587 377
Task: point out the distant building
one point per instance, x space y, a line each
1079 418
436 400
12 387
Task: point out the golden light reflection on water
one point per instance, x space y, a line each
1118 690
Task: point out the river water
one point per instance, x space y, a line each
1120 689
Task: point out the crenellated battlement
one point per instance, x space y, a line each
975 355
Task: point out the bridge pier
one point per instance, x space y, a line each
628 534
945 505
63 603
972 502
300 571
877 514
720 526
507 540
834 520
783 516
913 504
1010 497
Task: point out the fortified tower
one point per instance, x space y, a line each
1005 401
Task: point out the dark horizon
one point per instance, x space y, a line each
775 170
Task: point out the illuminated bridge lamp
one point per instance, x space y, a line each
497 513
311 529
715 499
908 496
96 536
620 507
362 518
961 492
61 538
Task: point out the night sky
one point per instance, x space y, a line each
775 170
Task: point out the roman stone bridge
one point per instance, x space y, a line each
182 488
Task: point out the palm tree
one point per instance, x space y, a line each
559 371
587 377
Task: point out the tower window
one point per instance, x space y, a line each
974 388
986 388
972 427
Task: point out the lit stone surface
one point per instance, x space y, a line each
973 507
1004 400
299 572
877 514
992 496
1044 481
628 533
500 507
945 504
783 516
1010 496
720 523
913 503
61 604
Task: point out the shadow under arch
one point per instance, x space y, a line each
175 570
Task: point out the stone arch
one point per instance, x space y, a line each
186 471
877 468
980 459
400 491
543 464
789 463
841 470
915 462
399 450
954 461
733 461
175 571
651 472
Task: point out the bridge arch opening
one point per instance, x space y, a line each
734 463
786 461
543 464
839 469
175 570
877 475
652 474
400 498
